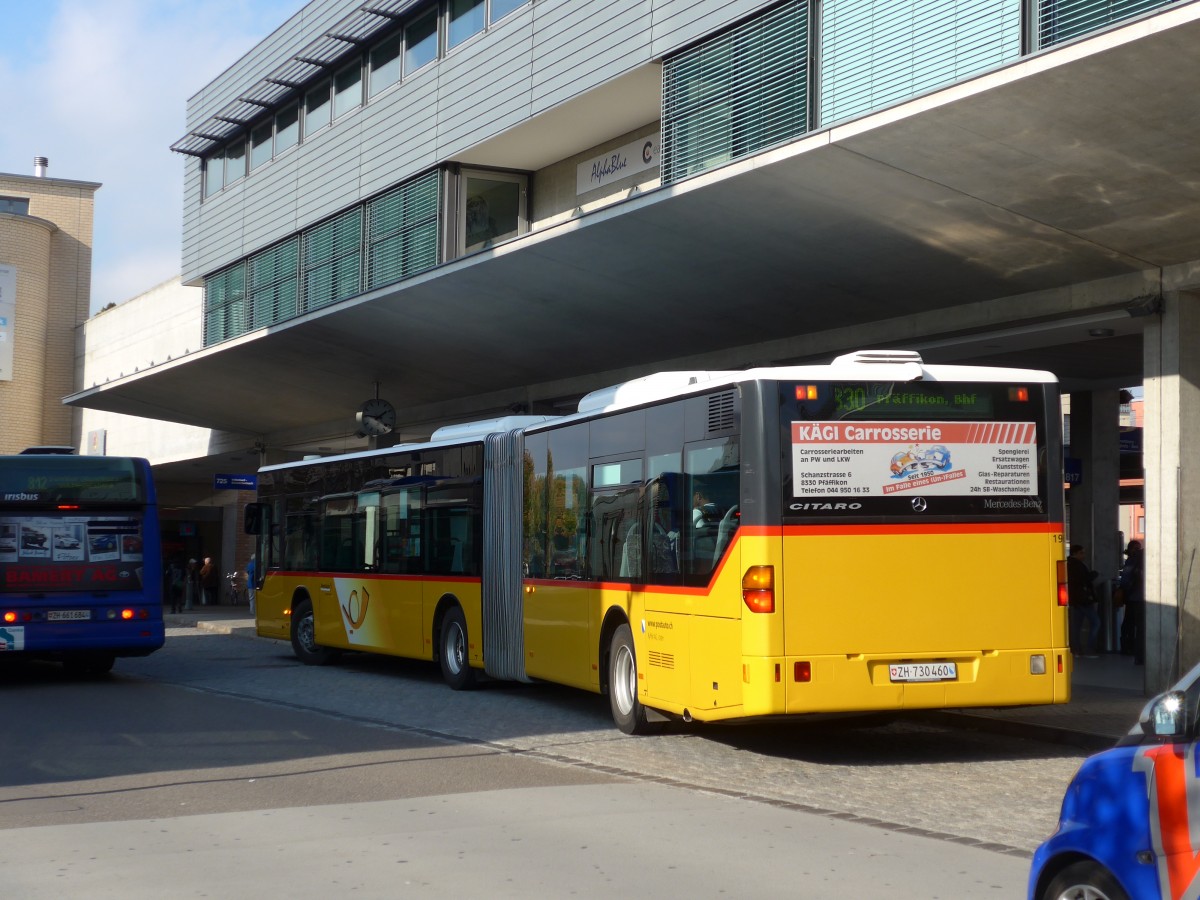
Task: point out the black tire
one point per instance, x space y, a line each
1084 880
453 655
304 641
627 710
91 665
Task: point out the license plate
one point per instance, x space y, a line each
68 615
940 671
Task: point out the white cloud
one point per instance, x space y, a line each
100 88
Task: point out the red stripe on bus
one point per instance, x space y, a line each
947 528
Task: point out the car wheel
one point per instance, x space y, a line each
453 655
304 641
1084 880
627 710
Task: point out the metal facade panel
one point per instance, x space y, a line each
576 50
398 134
471 108
678 23
270 204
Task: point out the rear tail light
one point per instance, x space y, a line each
758 589
1062 582
802 671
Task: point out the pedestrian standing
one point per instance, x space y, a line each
1081 604
208 582
251 572
175 585
191 585
1133 583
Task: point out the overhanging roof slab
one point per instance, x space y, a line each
1069 167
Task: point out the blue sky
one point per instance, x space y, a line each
100 88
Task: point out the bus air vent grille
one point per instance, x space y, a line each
660 660
720 412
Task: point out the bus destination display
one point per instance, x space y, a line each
879 459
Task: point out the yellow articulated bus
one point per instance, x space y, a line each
872 534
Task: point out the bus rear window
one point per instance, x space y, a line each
42 480
938 449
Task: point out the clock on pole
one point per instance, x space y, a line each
376 417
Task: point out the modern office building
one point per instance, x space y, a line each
468 207
45 288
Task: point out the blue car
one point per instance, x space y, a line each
1130 822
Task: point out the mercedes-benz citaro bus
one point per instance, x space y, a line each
73 587
872 534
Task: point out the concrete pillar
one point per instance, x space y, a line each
1172 430
1095 501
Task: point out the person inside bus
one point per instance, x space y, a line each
664 534
1081 600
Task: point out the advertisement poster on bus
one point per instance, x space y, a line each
881 459
49 552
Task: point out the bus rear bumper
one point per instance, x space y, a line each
861 682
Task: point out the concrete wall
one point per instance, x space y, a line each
161 324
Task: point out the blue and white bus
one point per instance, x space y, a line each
80 559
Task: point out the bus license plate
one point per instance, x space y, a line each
941 671
68 615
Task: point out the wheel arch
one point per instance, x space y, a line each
613 619
445 603
1057 864
300 594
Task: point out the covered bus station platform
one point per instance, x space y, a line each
1043 215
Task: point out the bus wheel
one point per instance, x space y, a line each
89 664
627 710
452 651
304 641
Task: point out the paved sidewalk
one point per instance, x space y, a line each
1106 695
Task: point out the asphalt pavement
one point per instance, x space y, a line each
1107 695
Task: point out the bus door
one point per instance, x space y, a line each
401 555
559 622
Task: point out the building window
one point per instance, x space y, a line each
464 18
421 41
347 89
333 260
273 284
1062 20
17 206
260 144
317 108
225 304
385 65
287 128
875 54
402 231
214 174
235 161
491 208
737 93
501 8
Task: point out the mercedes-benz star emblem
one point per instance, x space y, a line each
919 504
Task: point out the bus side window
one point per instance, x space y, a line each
368 535
713 487
613 552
